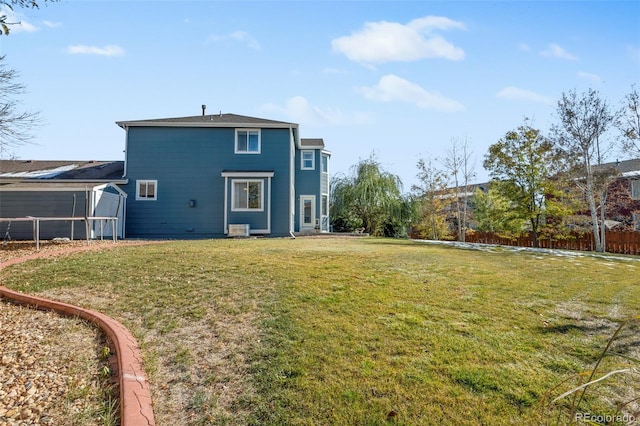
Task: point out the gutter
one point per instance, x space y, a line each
121 181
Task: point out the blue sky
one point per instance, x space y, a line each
397 79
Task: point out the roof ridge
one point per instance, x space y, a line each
216 119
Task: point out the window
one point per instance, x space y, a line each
325 205
635 189
247 141
247 195
146 190
308 160
325 163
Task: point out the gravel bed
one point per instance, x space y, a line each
49 369
51 366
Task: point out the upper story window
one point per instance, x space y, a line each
146 190
308 160
247 141
325 163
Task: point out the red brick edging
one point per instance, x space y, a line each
136 407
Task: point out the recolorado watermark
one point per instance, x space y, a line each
606 418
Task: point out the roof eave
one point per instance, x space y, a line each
127 124
78 181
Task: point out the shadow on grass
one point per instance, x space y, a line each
589 328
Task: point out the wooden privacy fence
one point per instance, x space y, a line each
622 242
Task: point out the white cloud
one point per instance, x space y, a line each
383 41
524 47
80 49
239 36
556 51
18 24
299 110
52 24
589 76
518 94
393 88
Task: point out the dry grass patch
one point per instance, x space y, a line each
351 331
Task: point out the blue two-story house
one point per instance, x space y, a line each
223 174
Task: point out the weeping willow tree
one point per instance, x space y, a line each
370 198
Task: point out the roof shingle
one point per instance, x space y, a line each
212 120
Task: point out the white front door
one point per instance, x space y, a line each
307 212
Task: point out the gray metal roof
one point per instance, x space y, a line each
29 170
211 120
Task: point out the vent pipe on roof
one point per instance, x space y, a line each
204 108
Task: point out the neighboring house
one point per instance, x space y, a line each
622 204
212 175
55 189
623 195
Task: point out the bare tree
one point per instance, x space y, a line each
458 164
584 119
433 199
15 125
628 122
28 4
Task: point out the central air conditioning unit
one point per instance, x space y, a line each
239 230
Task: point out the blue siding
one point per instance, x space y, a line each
187 163
307 183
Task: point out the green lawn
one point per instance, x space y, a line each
356 331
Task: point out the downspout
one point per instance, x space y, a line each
292 182
126 149
126 160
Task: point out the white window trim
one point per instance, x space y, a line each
314 217
266 175
324 205
233 196
235 147
324 155
146 181
313 159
